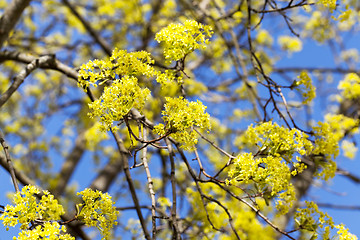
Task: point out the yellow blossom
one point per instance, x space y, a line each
180 117
181 39
291 44
350 86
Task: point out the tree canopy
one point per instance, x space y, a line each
177 119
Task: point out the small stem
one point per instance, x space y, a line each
9 162
173 188
122 150
150 184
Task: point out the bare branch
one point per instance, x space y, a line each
10 17
173 190
348 174
88 27
9 162
150 184
22 178
19 79
338 207
54 65
125 163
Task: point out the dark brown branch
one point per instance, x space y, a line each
9 162
10 17
132 208
338 207
176 232
348 174
288 7
150 185
19 79
54 65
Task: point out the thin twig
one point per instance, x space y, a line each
132 208
173 189
122 150
338 207
10 17
231 157
227 212
214 145
257 211
200 165
97 37
9 162
150 184
190 170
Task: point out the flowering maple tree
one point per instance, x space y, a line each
181 111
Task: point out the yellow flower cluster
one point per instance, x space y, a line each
331 132
306 88
328 134
28 209
117 100
93 137
98 210
328 3
263 37
310 218
121 63
277 159
341 125
180 117
349 149
291 44
265 172
343 233
344 16
181 39
277 141
49 230
350 86
278 151
317 27
123 68
167 77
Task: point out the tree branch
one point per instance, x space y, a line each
103 44
54 65
173 189
123 151
10 17
9 162
19 79
69 165
150 185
